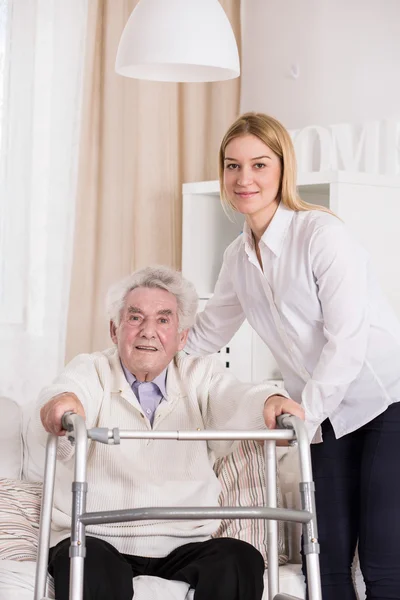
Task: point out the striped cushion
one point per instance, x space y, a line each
242 477
19 519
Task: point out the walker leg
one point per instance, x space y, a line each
79 490
310 542
272 526
45 517
77 549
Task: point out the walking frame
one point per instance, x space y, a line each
289 428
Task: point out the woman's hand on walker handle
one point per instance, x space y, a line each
52 412
278 405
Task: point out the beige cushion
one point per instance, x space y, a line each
10 439
19 519
242 476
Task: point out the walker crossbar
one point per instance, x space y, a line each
113 436
290 428
285 597
187 513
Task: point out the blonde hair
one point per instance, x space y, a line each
275 136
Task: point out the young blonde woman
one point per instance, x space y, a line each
307 288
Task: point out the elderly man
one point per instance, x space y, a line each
145 382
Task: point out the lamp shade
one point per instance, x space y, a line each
178 40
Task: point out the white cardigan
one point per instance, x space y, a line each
152 473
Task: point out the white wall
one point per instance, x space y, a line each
346 54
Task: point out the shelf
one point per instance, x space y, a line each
201 187
325 178
314 179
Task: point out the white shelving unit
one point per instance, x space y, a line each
368 204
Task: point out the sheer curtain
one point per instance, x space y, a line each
41 53
140 141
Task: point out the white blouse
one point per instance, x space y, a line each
320 311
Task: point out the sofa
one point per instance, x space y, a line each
21 467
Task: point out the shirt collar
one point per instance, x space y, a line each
160 380
275 234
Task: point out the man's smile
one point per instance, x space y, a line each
147 348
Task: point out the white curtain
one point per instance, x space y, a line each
44 43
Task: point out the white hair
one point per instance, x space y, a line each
160 277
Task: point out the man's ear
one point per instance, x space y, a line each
183 335
113 332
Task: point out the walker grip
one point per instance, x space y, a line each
285 422
64 420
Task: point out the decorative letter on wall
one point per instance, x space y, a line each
353 156
313 146
390 148
373 147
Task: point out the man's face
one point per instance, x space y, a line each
148 337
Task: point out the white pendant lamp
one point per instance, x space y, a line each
178 40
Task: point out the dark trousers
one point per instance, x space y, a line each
220 569
357 490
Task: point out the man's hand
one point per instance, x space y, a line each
279 405
52 412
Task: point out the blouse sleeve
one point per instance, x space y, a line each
340 268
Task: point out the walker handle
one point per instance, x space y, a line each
285 421
64 421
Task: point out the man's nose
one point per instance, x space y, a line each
147 329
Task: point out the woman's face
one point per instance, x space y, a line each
252 175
